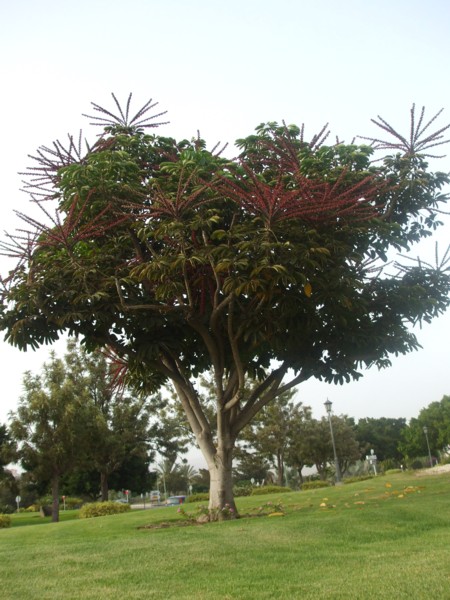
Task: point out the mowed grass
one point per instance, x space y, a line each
384 538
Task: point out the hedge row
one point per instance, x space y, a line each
101 509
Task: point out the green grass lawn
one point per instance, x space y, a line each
384 538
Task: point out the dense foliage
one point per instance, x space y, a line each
101 509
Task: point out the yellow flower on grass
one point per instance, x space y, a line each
388 485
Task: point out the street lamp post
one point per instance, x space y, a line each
328 405
425 430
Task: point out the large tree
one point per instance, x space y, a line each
266 267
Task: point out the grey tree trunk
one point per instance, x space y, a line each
55 498
104 486
221 499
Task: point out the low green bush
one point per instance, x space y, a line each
101 509
5 521
270 489
388 464
72 503
358 478
242 490
418 463
393 471
200 497
313 485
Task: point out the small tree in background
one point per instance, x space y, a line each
436 418
382 435
270 433
268 267
120 427
51 425
314 447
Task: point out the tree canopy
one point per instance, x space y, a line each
381 435
436 418
268 266
51 425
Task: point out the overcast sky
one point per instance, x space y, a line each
223 68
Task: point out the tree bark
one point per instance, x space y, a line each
104 486
55 498
221 499
280 470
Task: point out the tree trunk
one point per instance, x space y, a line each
322 470
221 498
104 486
280 470
55 498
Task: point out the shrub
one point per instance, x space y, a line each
313 485
72 503
270 489
7 508
100 509
243 490
45 501
418 463
393 471
5 521
389 463
358 478
200 497
270 508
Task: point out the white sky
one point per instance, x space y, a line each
223 68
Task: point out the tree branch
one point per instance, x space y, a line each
156 307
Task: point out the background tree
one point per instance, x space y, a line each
51 425
7 448
265 268
8 484
201 482
134 475
270 432
175 478
120 428
382 435
298 455
170 430
250 465
436 417
318 448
